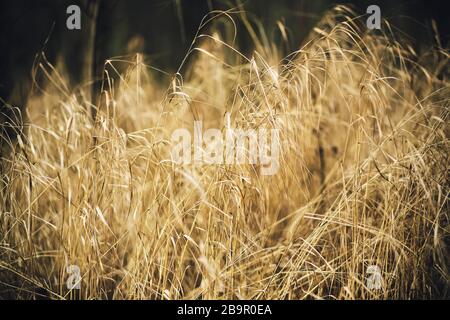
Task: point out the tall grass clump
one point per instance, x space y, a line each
362 178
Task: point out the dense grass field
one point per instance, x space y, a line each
362 178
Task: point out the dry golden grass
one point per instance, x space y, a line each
363 177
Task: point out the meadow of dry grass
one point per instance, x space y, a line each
363 176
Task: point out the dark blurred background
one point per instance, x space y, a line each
163 30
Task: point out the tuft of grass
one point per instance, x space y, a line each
363 177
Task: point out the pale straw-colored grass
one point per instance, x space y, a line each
363 177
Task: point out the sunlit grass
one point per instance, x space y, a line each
363 176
